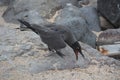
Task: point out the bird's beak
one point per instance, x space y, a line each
76 54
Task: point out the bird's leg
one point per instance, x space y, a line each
59 53
76 54
55 51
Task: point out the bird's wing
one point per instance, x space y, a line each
54 40
65 32
28 26
51 37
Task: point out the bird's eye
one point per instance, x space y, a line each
77 47
26 15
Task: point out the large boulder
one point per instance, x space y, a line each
79 22
109 36
77 19
24 52
46 8
89 14
110 9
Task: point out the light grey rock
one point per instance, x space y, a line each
91 16
14 51
110 36
53 62
83 2
90 3
79 23
39 62
5 55
105 24
26 47
46 8
6 2
31 16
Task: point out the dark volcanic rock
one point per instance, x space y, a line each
110 9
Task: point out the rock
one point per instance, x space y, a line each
26 47
33 17
105 24
91 16
90 3
110 50
93 3
23 68
10 54
73 18
109 36
88 13
83 2
45 8
6 2
110 10
109 41
54 62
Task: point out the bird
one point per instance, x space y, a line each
56 37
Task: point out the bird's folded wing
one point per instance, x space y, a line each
54 41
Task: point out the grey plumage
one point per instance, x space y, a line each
55 36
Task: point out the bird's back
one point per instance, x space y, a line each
53 39
50 36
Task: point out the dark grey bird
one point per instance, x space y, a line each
56 37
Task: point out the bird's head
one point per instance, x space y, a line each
77 49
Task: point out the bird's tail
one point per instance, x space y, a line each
33 28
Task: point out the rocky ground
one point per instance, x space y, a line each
21 51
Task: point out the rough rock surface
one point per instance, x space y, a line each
81 18
110 10
46 8
109 36
80 22
76 19
6 2
91 3
22 54
105 24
